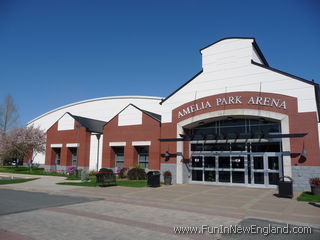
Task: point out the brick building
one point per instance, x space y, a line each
236 122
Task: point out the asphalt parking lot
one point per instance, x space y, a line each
13 201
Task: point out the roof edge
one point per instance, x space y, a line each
259 52
284 73
147 113
165 99
311 82
317 93
131 104
93 100
227 38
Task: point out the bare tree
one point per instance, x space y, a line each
8 114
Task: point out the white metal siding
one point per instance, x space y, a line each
130 116
66 123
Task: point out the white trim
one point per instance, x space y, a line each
73 145
117 144
287 168
141 143
56 145
93 100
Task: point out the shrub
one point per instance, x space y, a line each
123 173
71 170
118 169
137 165
92 173
314 182
105 170
137 174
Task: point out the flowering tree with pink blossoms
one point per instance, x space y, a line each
22 142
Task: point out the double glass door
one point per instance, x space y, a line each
265 168
235 169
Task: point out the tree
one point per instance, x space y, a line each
8 114
21 142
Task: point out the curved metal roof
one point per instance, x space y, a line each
93 100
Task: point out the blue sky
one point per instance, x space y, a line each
54 53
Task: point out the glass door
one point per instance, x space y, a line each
266 168
197 168
274 167
239 169
232 169
210 169
224 169
219 169
257 170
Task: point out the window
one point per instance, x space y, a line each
196 161
119 156
74 152
266 147
233 128
143 156
58 155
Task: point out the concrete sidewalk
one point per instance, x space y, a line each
242 202
234 201
43 184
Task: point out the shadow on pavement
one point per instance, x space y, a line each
13 201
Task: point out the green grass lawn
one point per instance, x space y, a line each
120 182
12 181
71 177
33 171
308 197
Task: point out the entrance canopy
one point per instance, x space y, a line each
233 128
233 137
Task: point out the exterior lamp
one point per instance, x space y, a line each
167 156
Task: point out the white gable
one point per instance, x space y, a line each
226 54
227 68
130 116
66 123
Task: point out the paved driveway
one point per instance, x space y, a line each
13 201
235 201
152 213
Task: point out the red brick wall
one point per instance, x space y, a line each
68 136
152 130
148 131
305 122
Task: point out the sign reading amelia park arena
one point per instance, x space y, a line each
257 100
237 122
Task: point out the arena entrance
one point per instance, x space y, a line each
263 169
236 151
